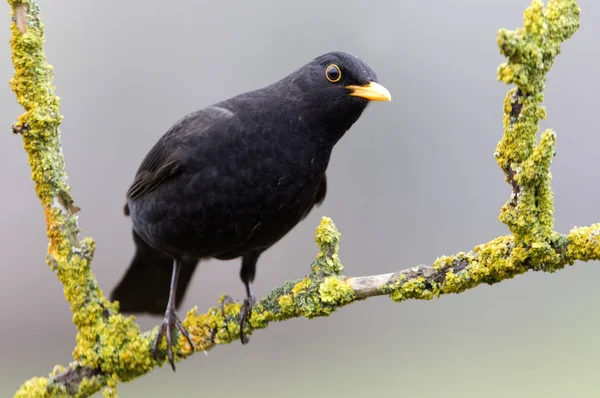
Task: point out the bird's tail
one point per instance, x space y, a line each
145 286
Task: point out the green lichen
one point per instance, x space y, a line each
89 386
488 263
311 297
308 301
492 262
328 238
531 51
105 341
32 84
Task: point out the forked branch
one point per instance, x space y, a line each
111 348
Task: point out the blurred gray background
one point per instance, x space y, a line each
412 180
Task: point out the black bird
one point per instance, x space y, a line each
232 179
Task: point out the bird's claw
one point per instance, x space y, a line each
226 300
245 312
170 321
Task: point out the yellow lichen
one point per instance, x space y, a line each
412 289
111 387
530 52
105 341
583 244
301 286
334 291
89 386
286 303
327 237
37 387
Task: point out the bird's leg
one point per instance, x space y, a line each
247 273
171 320
245 311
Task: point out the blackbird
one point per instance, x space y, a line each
232 179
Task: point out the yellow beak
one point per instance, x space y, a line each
371 91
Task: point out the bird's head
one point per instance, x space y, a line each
335 88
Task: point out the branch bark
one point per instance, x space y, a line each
111 348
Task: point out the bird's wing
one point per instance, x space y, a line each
161 163
166 159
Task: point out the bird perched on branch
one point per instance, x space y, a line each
232 179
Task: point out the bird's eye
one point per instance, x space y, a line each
333 73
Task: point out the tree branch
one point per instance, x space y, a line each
111 348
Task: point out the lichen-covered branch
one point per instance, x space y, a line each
321 293
530 52
110 347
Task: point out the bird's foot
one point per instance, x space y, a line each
245 312
226 300
170 322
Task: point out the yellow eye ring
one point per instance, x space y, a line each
333 73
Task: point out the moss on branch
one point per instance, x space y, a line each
110 348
